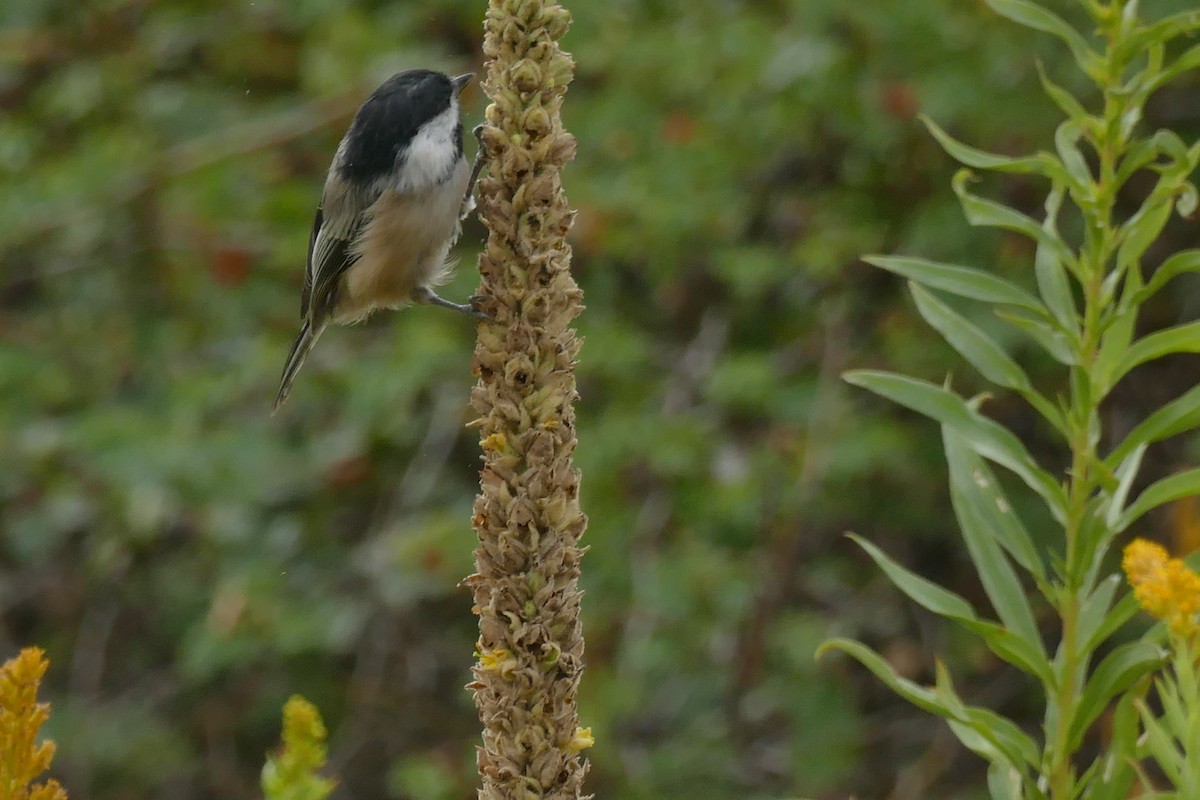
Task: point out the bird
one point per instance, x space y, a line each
394 198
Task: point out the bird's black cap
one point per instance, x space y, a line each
391 117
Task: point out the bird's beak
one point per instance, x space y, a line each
461 81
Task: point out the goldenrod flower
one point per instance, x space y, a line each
1166 588
21 716
292 774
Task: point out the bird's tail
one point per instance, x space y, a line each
304 342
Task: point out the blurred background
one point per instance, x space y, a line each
189 561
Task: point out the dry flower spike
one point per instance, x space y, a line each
527 515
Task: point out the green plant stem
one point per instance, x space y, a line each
1095 255
1061 778
1066 692
1083 457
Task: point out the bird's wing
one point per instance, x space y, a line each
330 254
306 296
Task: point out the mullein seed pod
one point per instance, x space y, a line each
527 515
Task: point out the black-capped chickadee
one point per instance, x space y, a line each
394 197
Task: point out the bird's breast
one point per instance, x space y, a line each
403 245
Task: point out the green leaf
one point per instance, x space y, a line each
1135 87
1094 539
973 485
984 732
981 524
1099 619
1171 696
1001 734
1189 60
1122 612
1013 648
1165 737
1125 473
1110 776
1004 783
943 686
1040 164
1051 338
1013 741
971 343
1162 746
1066 101
1173 487
1140 231
1178 416
1066 138
1179 339
1188 200
924 592
1183 665
1119 670
1172 145
989 213
985 436
1115 343
920 696
1139 154
979 743
1034 16
1160 32
962 281
1053 283
1178 264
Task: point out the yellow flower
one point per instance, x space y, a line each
303 731
499 660
21 758
292 773
1166 588
494 441
582 740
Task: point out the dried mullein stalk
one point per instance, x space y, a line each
527 515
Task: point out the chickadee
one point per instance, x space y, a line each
394 198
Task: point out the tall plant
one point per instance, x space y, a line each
527 514
1089 289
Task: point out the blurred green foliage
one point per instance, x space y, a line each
189 562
